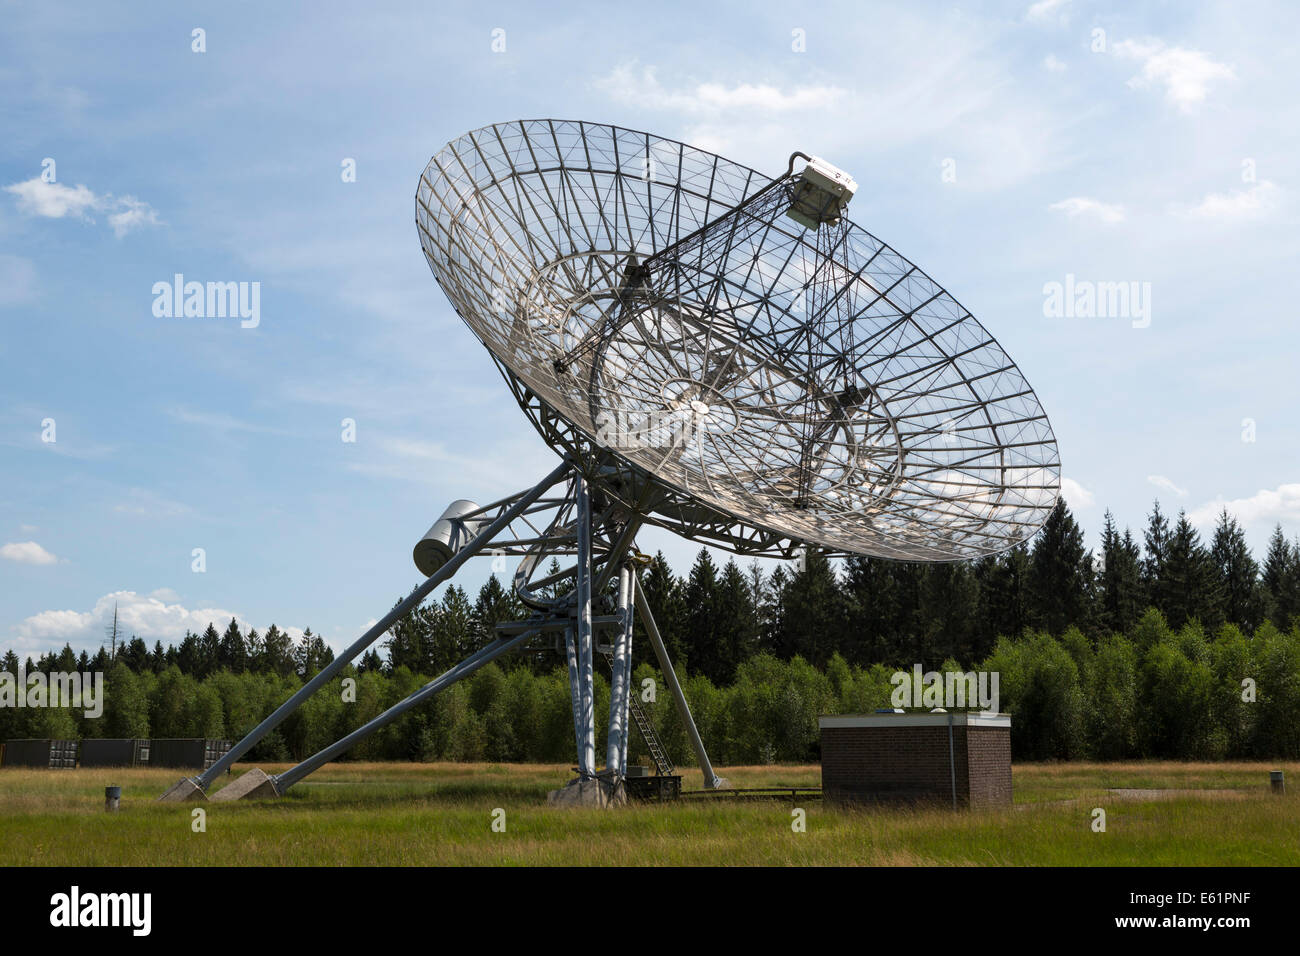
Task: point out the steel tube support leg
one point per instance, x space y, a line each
575 693
620 667
629 626
331 670
466 667
586 674
613 557
711 780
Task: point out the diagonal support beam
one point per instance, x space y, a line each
479 658
331 670
711 780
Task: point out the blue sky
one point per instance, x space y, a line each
1002 147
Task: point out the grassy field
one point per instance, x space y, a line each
436 814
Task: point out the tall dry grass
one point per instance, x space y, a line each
441 814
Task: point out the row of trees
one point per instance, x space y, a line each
1046 599
868 610
1154 692
198 655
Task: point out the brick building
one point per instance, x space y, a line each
952 759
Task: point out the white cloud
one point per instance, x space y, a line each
36 197
150 618
1047 11
1160 481
1266 506
50 626
643 89
27 552
963 100
1186 75
1053 65
1075 495
1077 206
1252 203
132 214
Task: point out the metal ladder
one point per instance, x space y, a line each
663 765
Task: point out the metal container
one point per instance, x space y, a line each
115 752
187 752
658 788
1277 781
53 754
63 754
112 798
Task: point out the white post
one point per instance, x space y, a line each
586 674
620 668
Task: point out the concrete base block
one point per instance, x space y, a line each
184 790
589 793
253 785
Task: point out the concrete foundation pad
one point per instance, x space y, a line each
253 785
184 790
589 792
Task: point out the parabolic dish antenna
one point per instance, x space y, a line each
767 376
710 350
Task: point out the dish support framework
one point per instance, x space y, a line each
599 533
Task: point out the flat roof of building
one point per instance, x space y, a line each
969 718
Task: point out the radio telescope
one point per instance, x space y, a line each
712 351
